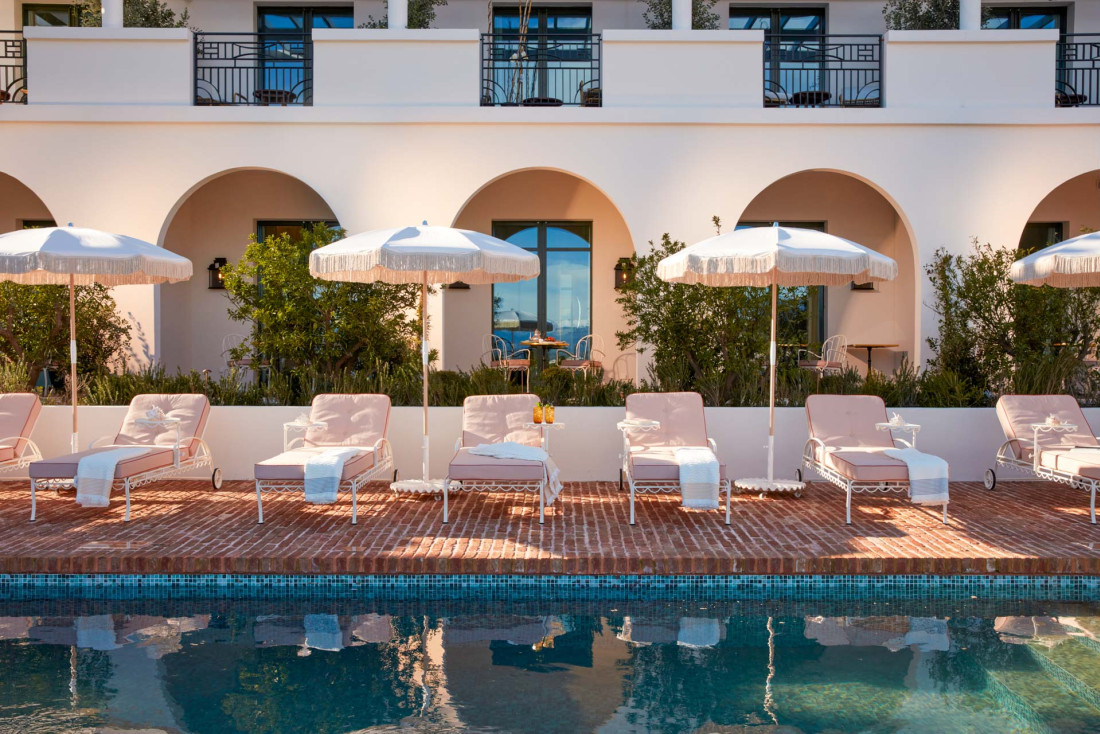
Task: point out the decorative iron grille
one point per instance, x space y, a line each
253 69
541 70
822 71
1078 73
13 67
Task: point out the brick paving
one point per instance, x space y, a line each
184 527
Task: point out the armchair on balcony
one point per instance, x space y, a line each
833 358
1066 96
500 356
587 356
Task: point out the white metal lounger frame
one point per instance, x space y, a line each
23 456
381 466
661 486
1006 458
494 485
201 458
849 485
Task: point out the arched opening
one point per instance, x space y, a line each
20 207
1071 209
880 314
215 220
580 236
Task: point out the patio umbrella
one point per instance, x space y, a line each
772 257
75 256
423 255
1074 263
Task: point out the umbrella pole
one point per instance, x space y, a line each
771 387
424 362
72 356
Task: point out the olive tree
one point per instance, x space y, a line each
658 14
135 14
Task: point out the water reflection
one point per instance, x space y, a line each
601 668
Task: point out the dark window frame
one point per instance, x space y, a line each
1058 229
1014 12
29 8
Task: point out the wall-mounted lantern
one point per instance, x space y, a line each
215 274
624 272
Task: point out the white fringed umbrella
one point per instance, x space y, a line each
423 255
1074 263
75 256
772 257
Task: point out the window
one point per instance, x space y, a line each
294 227
808 320
559 302
555 64
300 20
49 15
1037 235
793 38
38 223
1025 18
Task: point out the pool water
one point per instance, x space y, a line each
554 666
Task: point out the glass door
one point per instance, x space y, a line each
549 62
286 75
559 302
793 37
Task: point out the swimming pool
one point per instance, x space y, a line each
604 660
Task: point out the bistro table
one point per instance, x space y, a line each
543 347
869 347
542 428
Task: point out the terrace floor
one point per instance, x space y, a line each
184 527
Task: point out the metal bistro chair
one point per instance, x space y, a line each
587 356
833 359
499 356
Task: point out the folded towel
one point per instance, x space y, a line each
928 634
699 632
523 452
927 476
323 632
323 472
95 473
699 476
96 633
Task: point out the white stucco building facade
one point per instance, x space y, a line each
970 134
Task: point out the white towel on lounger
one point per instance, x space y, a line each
514 450
323 472
95 473
699 477
927 476
323 632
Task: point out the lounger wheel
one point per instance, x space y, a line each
990 479
216 478
395 475
798 476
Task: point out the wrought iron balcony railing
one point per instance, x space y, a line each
807 70
540 70
1078 73
253 69
13 67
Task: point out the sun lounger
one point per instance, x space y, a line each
496 419
169 427
656 425
847 450
19 412
1063 450
335 421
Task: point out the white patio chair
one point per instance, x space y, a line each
587 356
833 359
500 356
229 343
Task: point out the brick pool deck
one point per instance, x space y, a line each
184 527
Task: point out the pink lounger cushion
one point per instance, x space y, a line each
1017 413
499 418
465 465
658 464
1083 462
683 422
350 420
190 409
290 465
865 466
848 422
18 413
64 467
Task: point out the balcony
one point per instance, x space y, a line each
541 71
1078 71
822 71
13 67
253 69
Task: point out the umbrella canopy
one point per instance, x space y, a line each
784 256
1074 263
75 256
409 254
775 256
423 255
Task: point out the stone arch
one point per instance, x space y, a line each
20 205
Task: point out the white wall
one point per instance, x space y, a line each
587 449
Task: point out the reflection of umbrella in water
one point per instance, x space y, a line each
512 320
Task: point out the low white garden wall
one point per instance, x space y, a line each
586 449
